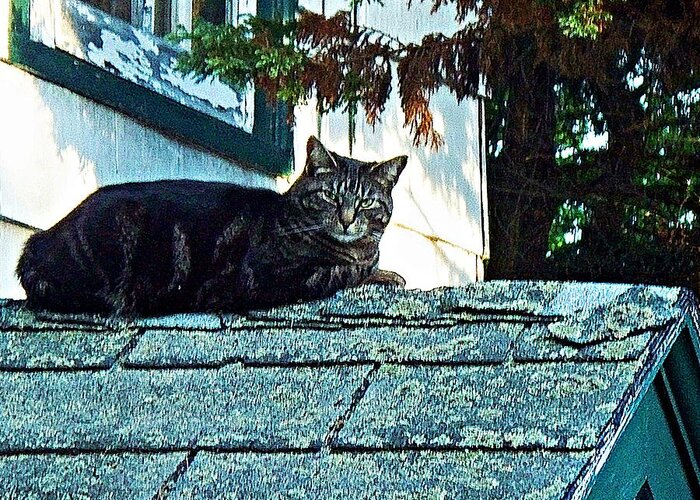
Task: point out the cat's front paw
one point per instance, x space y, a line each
386 278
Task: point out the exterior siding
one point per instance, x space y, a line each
645 453
428 261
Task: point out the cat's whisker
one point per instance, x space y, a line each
299 230
375 235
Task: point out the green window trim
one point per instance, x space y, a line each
267 147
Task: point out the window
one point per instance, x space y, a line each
117 8
160 17
112 52
152 16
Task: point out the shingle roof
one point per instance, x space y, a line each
498 389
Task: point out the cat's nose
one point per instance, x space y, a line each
347 217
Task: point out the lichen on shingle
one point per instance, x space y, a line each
537 343
61 348
637 309
231 407
385 302
104 476
15 316
391 475
473 342
531 405
508 297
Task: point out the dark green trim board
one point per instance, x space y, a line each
271 119
645 452
681 385
19 26
679 431
283 9
267 152
657 447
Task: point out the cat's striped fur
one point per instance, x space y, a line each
167 246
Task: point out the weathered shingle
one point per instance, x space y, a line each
391 475
495 390
507 406
538 344
134 476
232 407
460 343
58 348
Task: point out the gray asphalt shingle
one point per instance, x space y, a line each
232 407
391 475
134 476
498 389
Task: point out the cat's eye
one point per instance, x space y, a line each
327 196
368 203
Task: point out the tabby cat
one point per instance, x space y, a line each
181 245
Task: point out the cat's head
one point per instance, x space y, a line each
347 199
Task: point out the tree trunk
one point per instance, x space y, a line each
616 189
522 179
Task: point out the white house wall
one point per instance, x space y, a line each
438 233
12 238
57 147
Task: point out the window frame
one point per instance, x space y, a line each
267 148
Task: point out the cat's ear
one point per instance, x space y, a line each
387 172
318 159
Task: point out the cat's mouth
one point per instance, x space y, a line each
349 233
346 237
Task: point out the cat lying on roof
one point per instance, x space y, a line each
168 246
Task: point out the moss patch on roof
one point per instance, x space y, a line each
61 348
635 310
232 407
461 343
